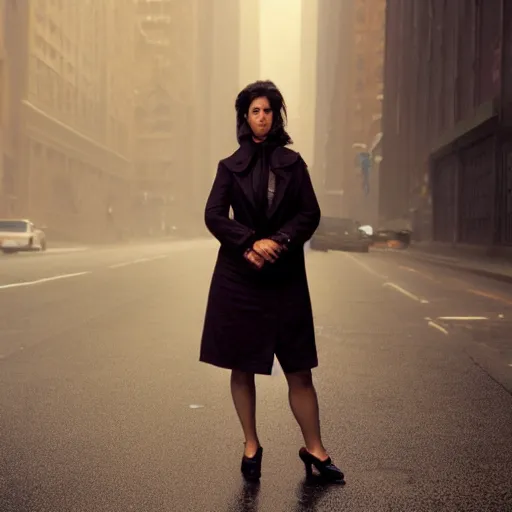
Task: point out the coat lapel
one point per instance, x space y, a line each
244 180
281 162
238 163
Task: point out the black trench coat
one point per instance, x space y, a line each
253 314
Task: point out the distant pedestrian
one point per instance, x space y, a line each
259 303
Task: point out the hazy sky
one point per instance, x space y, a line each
280 48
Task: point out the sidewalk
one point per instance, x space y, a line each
470 259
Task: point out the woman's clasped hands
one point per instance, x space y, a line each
263 251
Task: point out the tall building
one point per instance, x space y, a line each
72 64
364 112
350 56
191 57
332 48
310 31
3 104
164 95
447 147
13 26
228 50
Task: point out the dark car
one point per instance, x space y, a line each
393 239
340 234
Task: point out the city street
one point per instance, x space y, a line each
105 407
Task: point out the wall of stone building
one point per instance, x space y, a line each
444 143
70 156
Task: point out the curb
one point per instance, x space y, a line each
498 276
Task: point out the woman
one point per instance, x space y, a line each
259 303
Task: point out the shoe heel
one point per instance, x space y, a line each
309 470
308 466
326 468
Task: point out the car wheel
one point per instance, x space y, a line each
366 248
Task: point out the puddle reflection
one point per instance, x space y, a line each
310 493
246 500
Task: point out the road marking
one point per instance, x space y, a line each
422 274
65 250
438 327
364 265
56 250
491 296
119 265
409 269
40 281
405 292
463 318
140 260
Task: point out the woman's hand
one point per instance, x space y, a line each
267 249
254 259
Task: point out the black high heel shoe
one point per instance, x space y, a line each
251 466
326 468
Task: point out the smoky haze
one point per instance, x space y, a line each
117 112
148 364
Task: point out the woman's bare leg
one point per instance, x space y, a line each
304 405
243 391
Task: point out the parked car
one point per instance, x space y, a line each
340 234
21 235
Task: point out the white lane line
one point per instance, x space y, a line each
438 327
405 292
409 269
40 281
140 260
119 265
364 265
63 250
463 318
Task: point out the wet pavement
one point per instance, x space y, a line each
104 406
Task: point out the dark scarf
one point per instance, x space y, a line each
260 170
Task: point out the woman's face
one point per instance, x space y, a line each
260 118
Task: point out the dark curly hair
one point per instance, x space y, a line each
260 89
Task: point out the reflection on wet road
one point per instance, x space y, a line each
105 407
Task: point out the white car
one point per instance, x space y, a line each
20 235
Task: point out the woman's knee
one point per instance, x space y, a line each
241 378
302 379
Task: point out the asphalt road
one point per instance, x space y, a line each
104 407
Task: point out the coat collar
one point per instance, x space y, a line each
239 161
281 162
